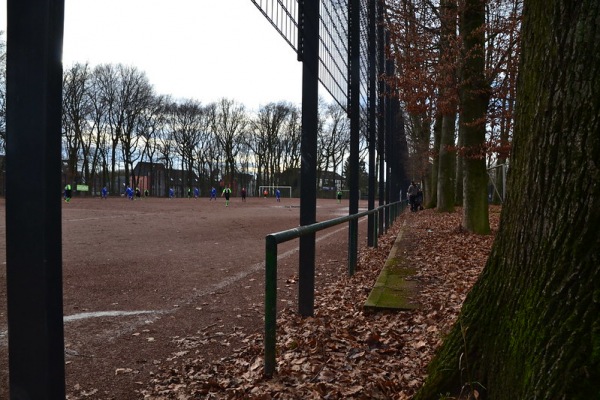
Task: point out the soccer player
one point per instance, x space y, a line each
68 193
278 195
339 196
243 194
226 193
196 192
103 193
129 193
171 193
213 194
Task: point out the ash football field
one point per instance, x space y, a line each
140 275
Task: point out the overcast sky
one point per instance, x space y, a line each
200 49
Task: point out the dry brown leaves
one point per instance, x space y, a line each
343 352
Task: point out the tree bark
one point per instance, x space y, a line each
435 167
447 165
530 328
446 146
474 98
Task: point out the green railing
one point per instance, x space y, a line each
272 240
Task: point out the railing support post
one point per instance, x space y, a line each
271 243
352 246
375 229
270 304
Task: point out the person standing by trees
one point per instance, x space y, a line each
412 196
226 193
530 327
213 194
243 194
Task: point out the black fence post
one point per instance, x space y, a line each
354 114
33 199
270 303
308 150
371 112
381 110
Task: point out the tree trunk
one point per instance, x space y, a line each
530 328
437 135
474 98
447 165
458 182
446 147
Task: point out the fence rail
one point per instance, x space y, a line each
389 211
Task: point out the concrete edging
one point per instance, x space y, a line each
391 290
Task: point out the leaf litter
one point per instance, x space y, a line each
344 351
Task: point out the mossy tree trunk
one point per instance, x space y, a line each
474 98
530 328
446 146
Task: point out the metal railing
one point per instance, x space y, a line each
272 240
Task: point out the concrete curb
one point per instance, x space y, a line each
391 290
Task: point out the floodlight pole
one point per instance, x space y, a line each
308 53
33 199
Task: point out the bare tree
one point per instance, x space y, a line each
76 112
187 125
134 99
211 153
290 140
106 85
229 124
334 139
153 123
264 140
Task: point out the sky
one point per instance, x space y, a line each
189 49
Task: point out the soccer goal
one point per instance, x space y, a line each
285 190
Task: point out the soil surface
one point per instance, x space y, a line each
141 276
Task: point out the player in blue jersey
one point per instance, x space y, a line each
213 194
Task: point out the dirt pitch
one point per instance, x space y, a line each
140 275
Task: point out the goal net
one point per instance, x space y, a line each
286 191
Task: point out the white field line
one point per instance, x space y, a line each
98 314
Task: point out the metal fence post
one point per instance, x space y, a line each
33 202
270 303
375 229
